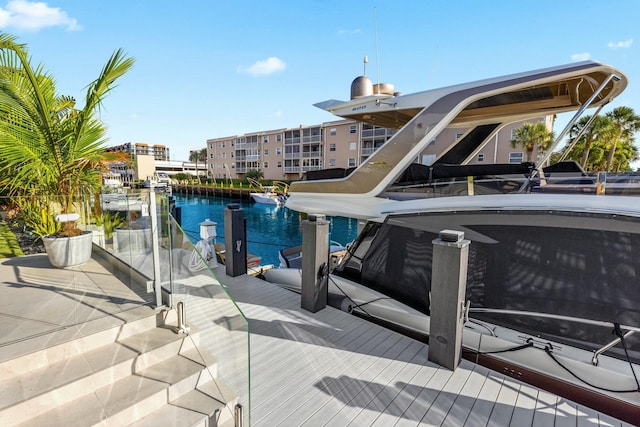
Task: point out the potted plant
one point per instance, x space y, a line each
51 151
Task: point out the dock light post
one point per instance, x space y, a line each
448 285
315 263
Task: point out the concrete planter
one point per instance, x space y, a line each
68 251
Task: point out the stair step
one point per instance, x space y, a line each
42 351
170 415
44 389
109 405
202 407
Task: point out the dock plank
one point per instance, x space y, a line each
332 368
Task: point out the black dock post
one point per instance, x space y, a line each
448 284
315 263
235 240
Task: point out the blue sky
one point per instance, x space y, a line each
208 69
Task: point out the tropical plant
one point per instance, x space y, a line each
624 123
255 174
48 146
532 136
608 143
198 156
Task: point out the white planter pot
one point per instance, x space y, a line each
68 251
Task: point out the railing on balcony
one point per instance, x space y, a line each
291 169
292 155
314 154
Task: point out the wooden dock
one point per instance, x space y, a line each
331 368
206 190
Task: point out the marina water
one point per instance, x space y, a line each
269 228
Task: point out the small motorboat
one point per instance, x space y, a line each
275 194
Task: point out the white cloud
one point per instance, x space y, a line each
581 56
278 114
356 31
33 16
620 45
267 66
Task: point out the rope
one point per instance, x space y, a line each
200 253
548 350
618 332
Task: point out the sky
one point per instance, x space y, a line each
209 69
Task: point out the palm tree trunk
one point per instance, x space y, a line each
612 153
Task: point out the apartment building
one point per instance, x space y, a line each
159 152
287 154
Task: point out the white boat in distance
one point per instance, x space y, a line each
553 279
275 194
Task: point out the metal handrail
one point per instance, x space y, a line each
553 316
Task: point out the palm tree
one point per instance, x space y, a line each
198 156
48 146
531 136
591 137
624 124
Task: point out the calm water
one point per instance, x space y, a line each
269 228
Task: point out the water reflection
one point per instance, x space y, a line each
269 228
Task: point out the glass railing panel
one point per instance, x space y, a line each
218 326
58 284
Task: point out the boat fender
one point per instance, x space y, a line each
340 302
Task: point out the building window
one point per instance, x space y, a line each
332 162
232 154
265 139
352 146
224 155
212 156
278 151
352 162
332 131
266 151
279 164
352 129
481 157
332 147
516 157
278 138
265 165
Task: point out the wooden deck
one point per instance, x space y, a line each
331 368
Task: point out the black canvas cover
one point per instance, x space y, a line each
559 263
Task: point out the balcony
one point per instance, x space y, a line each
312 154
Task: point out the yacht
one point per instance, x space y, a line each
552 284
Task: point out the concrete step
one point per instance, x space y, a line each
204 406
40 390
44 350
131 398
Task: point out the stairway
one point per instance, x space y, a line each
139 372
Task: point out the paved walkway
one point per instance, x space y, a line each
41 305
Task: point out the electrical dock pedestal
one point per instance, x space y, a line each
235 240
315 263
448 283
